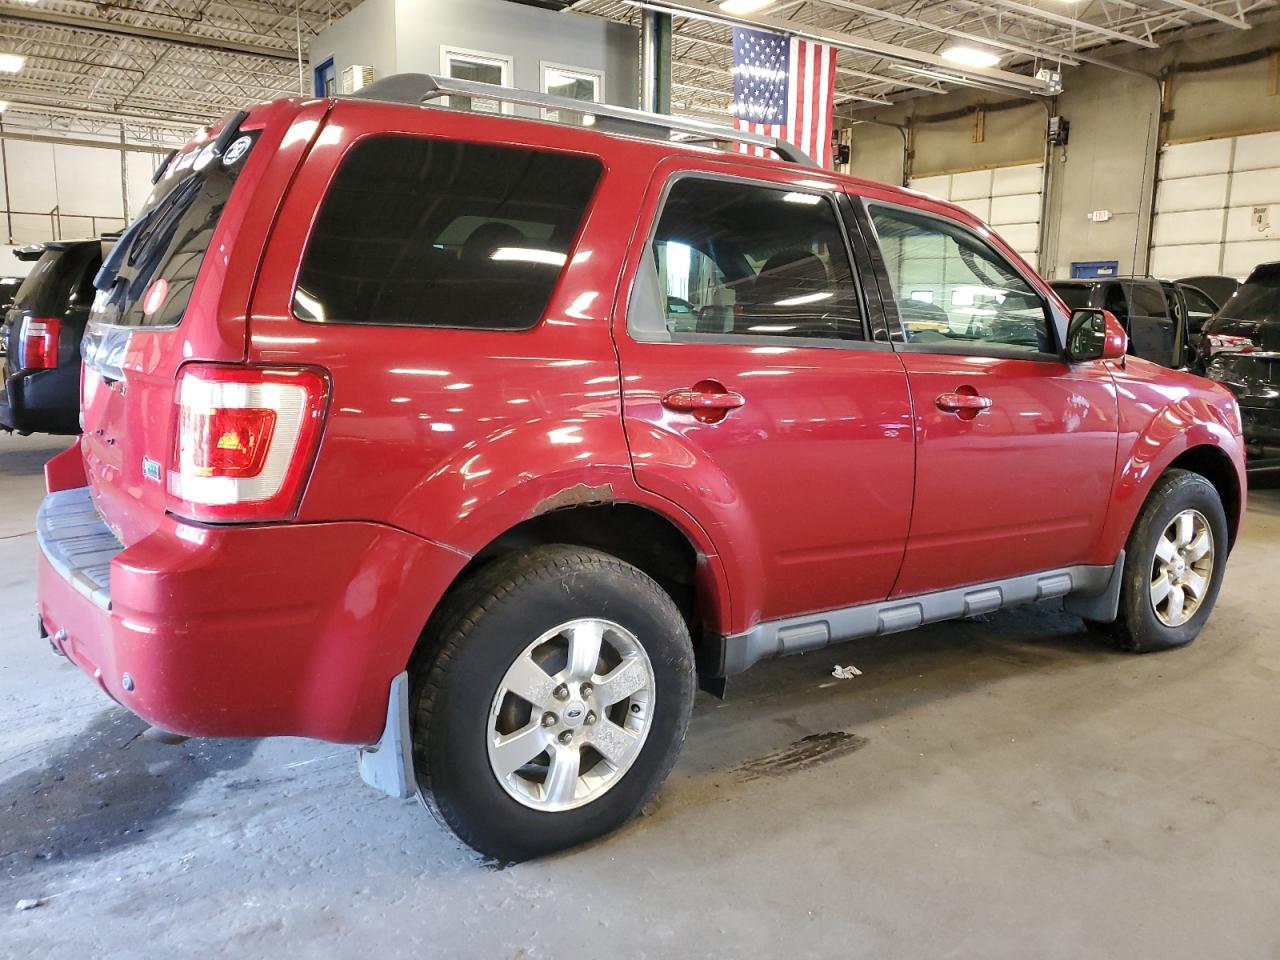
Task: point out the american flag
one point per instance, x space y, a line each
784 87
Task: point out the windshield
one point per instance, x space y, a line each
1258 301
149 277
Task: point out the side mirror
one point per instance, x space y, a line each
1095 335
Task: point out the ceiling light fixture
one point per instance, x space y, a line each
11 62
970 56
744 6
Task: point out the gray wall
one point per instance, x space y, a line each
1110 162
405 36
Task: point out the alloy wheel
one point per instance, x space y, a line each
571 714
1182 568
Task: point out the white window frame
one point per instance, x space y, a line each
448 54
577 73
583 73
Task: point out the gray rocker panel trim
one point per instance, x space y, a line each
812 631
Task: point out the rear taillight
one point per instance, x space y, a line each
39 343
244 441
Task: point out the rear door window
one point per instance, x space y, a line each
436 233
736 259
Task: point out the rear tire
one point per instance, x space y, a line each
1174 562
603 663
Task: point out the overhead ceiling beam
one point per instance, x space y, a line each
1027 48
1238 22
81 142
703 9
1072 22
75 21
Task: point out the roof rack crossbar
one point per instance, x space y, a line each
433 88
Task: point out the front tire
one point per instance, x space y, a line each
1174 563
551 702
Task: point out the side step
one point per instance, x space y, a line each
1091 591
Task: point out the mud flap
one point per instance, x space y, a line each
387 765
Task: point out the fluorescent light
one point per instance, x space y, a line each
11 62
743 6
807 199
3 106
970 56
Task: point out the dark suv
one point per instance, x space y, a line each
1162 317
1243 353
40 370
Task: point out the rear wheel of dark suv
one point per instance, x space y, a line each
550 700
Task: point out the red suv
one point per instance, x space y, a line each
478 441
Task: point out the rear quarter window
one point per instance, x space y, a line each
436 233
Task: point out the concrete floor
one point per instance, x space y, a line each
1022 792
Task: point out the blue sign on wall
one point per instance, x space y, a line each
1094 269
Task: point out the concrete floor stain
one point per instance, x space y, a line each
101 788
810 751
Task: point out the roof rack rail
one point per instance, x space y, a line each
423 88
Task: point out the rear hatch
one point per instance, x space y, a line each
175 289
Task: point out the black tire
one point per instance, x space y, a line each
1137 629
479 631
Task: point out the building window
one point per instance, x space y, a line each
573 83
479 67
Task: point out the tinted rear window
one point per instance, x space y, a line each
169 239
437 233
60 280
1074 296
1259 299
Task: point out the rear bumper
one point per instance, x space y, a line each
1261 435
292 629
42 401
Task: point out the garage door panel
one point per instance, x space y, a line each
1241 226
1195 159
1024 208
980 208
1240 258
1192 193
1185 260
1257 152
971 186
1255 187
1023 237
1011 181
934 186
1188 226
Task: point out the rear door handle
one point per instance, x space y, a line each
707 400
962 402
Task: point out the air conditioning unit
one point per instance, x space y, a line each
356 76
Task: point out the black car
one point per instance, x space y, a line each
1243 353
40 369
1164 318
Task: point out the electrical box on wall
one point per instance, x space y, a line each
1099 216
1059 131
355 77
